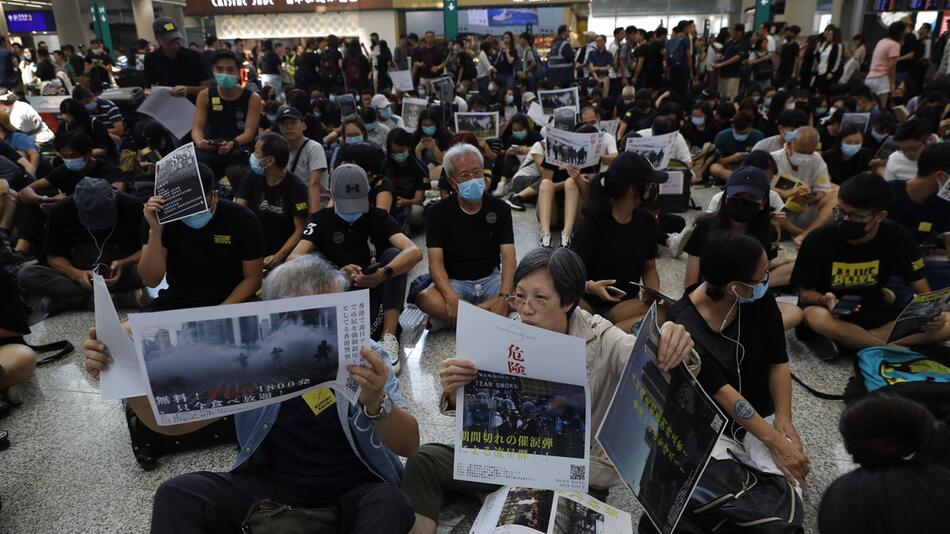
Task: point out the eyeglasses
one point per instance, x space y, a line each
764 280
841 215
536 303
470 175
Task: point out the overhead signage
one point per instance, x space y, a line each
229 7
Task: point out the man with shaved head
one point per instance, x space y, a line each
804 182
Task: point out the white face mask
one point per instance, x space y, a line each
799 159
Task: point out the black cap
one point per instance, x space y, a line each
637 167
934 158
95 203
751 180
166 29
141 43
289 112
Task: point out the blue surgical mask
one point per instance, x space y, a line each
472 190
91 106
519 135
799 159
272 118
697 121
400 157
509 99
350 217
256 165
371 126
356 139
198 220
879 136
758 291
850 150
385 113
226 81
739 137
428 130
77 164
821 111
789 136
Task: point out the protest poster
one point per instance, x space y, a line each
860 120
178 182
516 510
347 103
660 430
569 148
524 419
411 108
918 312
565 118
536 114
558 98
610 126
656 149
443 89
673 184
123 378
402 80
944 191
202 363
176 113
484 125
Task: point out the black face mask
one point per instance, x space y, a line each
851 230
742 210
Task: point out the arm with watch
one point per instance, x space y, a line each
397 428
499 303
407 258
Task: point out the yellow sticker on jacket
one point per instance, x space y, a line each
215 99
925 226
217 107
300 206
222 239
319 399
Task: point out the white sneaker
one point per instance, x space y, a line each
13 395
545 239
677 241
565 240
500 189
391 345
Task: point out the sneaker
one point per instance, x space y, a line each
391 345
565 240
14 395
19 258
516 202
823 348
677 241
434 325
500 189
545 239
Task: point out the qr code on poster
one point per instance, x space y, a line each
577 472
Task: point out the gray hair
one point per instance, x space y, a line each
459 151
303 276
564 267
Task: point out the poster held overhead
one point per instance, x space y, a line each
569 148
411 108
557 98
483 125
173 112
656 149
402 80
178 181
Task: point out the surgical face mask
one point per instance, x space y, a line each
371 126
272 118
628 103
821 111
789 136
255 165
741 210
472 190
879 136
428 130
349 216
226 81
790 104
77 164
384 113
91 106
356 139
758 291
739 137
509 99
799 159
421 93
519 135
850 150
851 230
198 220
400 157
698 121
332 98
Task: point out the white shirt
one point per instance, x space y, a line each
825 54
771 144
813 173
770 47
613 49
483 68
899 167
680 149
528 167
312 158
26 119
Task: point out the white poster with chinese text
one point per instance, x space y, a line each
515 510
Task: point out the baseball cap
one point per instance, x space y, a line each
636 166
935 157
379 102
166 28
141 43
350 188
750 180
289 112
528 97
95 202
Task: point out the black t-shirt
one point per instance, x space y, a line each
927 221
826 262
470 243
696 137
788 55
270 63
330 62
66 180
408 178
379 184
45 71
275 207
206 56
186 68
13 311
206 265
351 244
68 238
653 64
615 251
762 337
705 225
840 169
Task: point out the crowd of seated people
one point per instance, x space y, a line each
833 176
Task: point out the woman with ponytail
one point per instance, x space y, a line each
901 484
737 328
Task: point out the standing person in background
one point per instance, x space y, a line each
829 59
615 74
384 61
356 68
211 46
561 59
531 68
484 69
598 63
882 76
270 69
428 60
679 62
505 65
9 66
174 65
734 52
331 65
401 54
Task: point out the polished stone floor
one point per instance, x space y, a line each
70 467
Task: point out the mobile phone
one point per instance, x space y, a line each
216 142
616 291
847 305
372 269
655 292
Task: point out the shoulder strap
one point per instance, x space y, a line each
293 165
815 392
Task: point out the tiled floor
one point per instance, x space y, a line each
70 467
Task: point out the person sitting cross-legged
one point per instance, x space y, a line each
855 256
301 453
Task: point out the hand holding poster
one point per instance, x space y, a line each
411 108
514 510
659 431
402 80
859 120
656 149
524 419
123 378
178 182
558 98
203 363
443 89
918 312
610 126
483 125
569 148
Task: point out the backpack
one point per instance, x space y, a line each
676 53
354 73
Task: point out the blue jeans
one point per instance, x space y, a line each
478 291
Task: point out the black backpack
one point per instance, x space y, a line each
676 49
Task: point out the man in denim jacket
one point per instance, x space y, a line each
311 451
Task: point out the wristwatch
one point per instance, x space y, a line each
385 409
388 272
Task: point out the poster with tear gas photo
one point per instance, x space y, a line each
514 510
347 103
559 98
656 149
178 181
856 120
483 124
203 363
411 108
569 148
565 118
443 89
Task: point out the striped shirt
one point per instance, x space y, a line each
106 112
